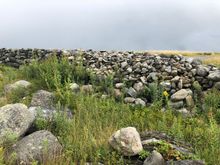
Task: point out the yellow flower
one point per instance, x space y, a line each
165 93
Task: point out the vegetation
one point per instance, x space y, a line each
85 137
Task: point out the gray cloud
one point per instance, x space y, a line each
112 24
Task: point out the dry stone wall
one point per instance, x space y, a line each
174 72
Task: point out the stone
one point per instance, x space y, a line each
18 84
129 100
15 119
38 146
166 85
180 95
138 86
176 105
154 159
43 99
131 92
117 93
124 64
119 85
140 102
127 141
214 75
184 111
87 89
185 162
202 71
175 79
180 84
74 87
217 85
189 101
152 77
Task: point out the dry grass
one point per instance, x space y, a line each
215 59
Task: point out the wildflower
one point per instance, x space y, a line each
165 93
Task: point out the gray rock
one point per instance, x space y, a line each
214 75
189 101
185 162
117 93
119 85
124 64
152 76
176 105
140 102
87 89
43 99
129 100
175 79
74 87
132 92
16 119
180 84
180 95
18 84
202 71
38 146
138 86
217 85
127 141
166 85
155 159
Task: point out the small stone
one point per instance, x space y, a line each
138 86
166 85
154 159
74 87
176 105
217 85
87 89
132 92
129 100
141 102
117 93
180 84
189 101
119 85
124 64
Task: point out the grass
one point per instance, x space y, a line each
85 137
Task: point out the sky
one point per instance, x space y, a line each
111 24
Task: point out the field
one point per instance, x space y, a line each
85 137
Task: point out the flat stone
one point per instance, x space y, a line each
132 92
180 95
129 100
141 102
176 105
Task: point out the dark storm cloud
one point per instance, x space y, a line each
111 24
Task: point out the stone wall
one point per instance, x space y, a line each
174 72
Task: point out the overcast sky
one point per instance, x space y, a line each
111 24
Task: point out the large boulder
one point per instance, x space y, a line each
127 141
42 104
38 146
16 119
18 84
154 159
181 95
214 75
